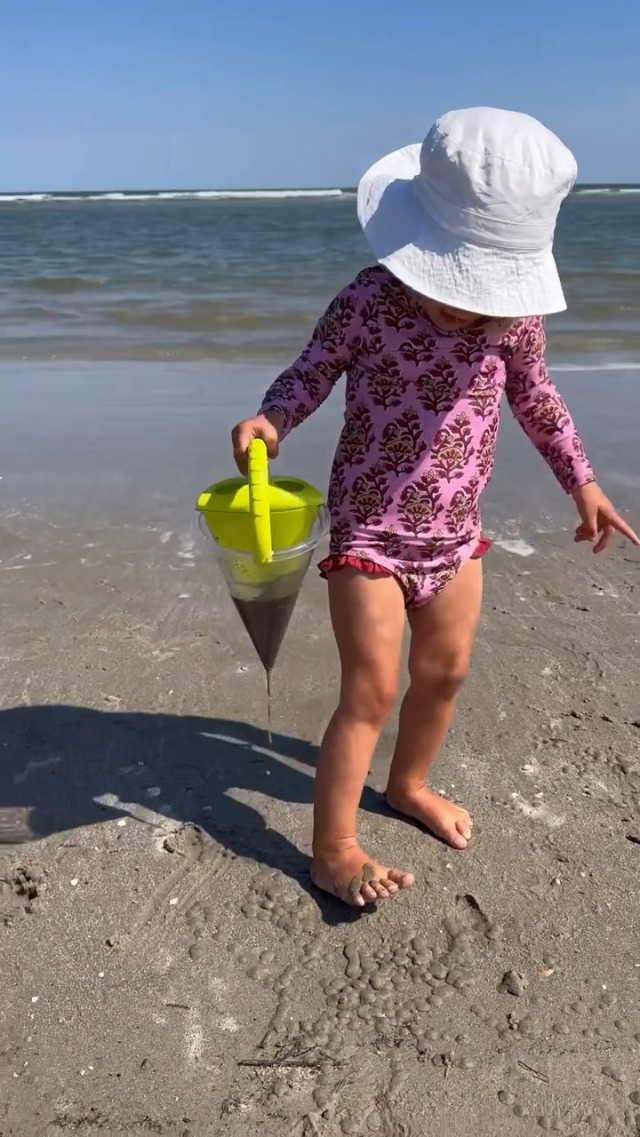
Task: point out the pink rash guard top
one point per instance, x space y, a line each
421 421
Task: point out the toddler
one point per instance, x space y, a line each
430 338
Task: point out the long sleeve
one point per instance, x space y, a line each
540 409
305 385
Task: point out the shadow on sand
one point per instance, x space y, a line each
63 767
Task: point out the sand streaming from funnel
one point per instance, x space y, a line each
266 622
269 733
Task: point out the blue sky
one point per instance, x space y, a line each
154 94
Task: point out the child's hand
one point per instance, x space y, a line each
599 520
266 427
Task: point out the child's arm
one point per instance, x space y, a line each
542 412
543 415
305 385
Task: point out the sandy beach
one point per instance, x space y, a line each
166 966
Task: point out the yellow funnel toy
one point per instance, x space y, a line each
264 532
261 516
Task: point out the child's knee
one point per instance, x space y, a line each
444 673
368 699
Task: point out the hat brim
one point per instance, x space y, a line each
403 237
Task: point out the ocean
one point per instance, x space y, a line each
241 276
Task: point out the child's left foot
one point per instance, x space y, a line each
441 817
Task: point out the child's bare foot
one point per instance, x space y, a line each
348 874
441 817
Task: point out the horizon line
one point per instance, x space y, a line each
246 189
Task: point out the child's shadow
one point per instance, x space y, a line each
68 766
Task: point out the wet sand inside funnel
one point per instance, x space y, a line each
266 622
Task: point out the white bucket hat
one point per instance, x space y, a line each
468 218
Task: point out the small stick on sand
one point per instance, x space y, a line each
536 1073
299 1063
286 1057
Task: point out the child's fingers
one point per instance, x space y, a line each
614 521
583 533
241 436
606 537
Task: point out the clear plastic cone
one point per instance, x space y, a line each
265 610
265 595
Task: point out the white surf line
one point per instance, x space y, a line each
186 548
516 546
10 567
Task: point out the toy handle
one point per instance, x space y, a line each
258 474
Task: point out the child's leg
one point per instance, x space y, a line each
367 614
442 635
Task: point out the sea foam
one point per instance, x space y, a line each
173 195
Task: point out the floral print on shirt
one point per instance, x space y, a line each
422 410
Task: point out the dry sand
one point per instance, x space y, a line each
166 966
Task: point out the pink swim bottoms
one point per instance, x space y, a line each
419 583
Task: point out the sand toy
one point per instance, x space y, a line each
264 532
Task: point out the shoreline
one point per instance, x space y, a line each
260 354
137 442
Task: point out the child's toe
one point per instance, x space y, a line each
400 878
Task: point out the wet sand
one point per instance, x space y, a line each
166 965
104 442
